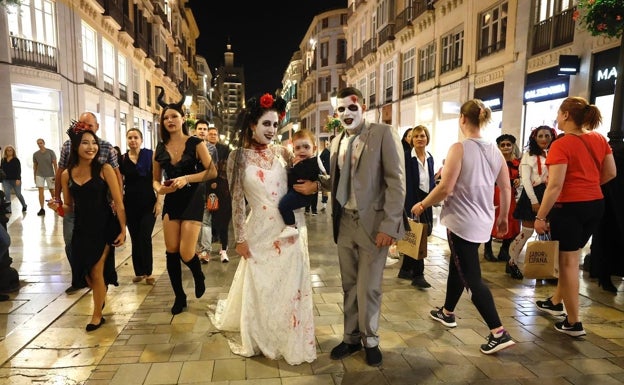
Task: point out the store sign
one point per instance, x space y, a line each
493 104
546 92
603 74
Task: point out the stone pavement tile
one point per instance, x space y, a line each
329 320
229 369
255 381
418 339
467 336
19 376
196 372
420 358
459 372
131 374
322 330
325 365
261 367
149 339
609 330
595 366
157 352
58 358
286 370
391 340
505 370
448 355
411 376
328 309
553 368
317 379
215 347
368 377
163 373
188 351
601 379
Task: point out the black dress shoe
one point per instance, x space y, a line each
489 256
92 327
71 289
344 350
406 274
373 356
421 282
513 270
607 285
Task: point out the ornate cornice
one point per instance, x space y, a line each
491 77
33 73
547 60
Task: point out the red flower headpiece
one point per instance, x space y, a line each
76 128
266 101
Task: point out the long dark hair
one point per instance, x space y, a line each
534 148
164 134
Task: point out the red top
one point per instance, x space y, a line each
582 179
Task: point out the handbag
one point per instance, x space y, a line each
541 260
212 203
414 242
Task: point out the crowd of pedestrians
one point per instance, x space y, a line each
372 180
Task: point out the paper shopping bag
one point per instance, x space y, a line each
541 260
414 242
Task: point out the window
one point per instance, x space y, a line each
341 54
452 51
325 23
362 88
324 54
108 64
388 81
33 20
122 72
493 30
409 72
89 49
426 59
372 87
546 9
148 93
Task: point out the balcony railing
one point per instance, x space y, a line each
490 49
388 95
554 31
135 99
33 54
386 34
123 92
372 100
369 46
408 87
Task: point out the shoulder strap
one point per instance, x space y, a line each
590 152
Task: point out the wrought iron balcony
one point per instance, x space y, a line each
554 31
33 54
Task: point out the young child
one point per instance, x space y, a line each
305 167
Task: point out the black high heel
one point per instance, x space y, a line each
607 285
178 305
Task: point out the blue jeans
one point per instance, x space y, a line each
204 242
11 184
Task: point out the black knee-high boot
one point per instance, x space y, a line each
503 253
198 275
174 269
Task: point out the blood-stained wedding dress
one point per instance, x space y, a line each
269 304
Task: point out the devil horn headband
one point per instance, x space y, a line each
175 106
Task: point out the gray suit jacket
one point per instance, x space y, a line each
378 181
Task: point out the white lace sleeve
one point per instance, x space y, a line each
235 171
526 171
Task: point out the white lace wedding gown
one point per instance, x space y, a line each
270 299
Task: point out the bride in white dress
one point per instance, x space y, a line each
270 299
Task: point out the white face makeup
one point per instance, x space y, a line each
303 148
350 112
543 138
266 128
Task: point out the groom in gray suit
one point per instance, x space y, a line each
367 179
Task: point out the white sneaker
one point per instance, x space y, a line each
288 232
224 256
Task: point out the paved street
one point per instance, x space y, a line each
44 341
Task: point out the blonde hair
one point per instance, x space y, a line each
7 147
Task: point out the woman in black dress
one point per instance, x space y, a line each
185 163
86 185
142 207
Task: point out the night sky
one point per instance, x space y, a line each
264 35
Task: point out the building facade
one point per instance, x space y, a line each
417 61
61 58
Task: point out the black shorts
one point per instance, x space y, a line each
573 223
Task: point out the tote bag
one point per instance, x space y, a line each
541 260
414 242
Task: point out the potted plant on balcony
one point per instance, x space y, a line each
601 17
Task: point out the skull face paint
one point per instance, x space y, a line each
265 130
350 112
